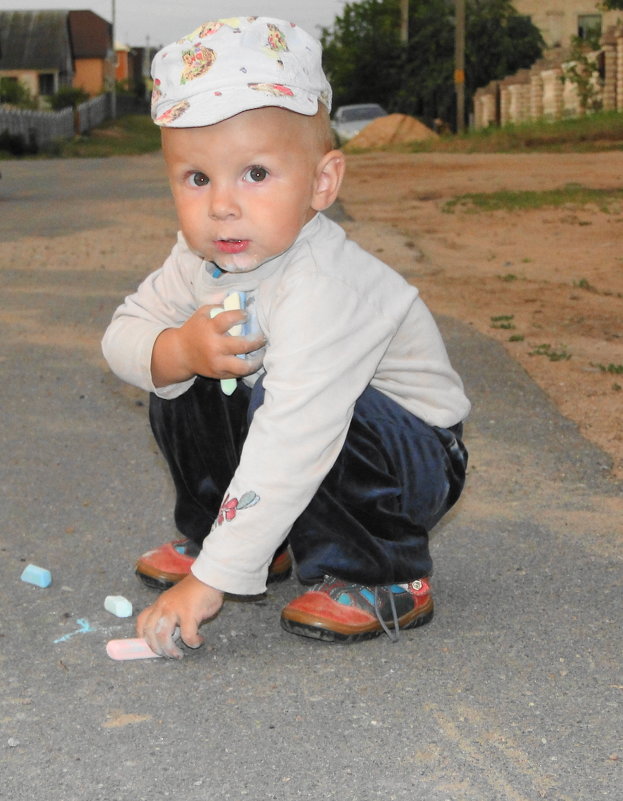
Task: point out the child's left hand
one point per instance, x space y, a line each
186 605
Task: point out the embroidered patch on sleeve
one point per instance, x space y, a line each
231 506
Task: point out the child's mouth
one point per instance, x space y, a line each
231 245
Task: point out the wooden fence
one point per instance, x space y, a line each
545 91
42 128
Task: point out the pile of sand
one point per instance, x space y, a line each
389 130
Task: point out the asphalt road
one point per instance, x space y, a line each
513 693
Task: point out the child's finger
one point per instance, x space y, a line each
190 636
224 320
234 367
159 632
162 641
239 345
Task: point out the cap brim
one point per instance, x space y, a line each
210 108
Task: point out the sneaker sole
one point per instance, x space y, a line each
155 583
318 631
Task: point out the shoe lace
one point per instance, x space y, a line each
394 635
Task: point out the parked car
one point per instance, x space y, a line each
349 120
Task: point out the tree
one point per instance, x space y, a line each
612 5
498 42
362 51
365 60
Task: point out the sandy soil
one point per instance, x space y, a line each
546 283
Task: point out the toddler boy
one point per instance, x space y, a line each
338 432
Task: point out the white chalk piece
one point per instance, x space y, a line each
118 605
135 648
38 576
233 301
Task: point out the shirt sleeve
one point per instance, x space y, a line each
325 342
165 299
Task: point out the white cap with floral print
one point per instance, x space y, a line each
237 64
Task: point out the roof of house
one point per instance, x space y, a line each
91 35
48 40
34 40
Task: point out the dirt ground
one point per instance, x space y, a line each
546 283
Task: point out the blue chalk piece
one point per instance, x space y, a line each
38 576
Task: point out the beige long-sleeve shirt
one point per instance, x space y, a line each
336 320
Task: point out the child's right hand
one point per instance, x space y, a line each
202 346
185 606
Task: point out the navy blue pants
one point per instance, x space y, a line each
368 522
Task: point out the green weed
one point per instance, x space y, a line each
552 355
502 321
584 284
613 369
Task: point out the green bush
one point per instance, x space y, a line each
68 97
15 94
17 145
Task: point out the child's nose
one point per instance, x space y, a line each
223 204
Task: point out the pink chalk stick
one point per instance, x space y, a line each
135 648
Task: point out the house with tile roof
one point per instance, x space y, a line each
48 50
91 41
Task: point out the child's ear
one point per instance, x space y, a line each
329 174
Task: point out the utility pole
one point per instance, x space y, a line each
145 69
113 94
404 21
459 63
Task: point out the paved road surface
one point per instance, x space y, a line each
513 693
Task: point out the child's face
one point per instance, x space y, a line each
244 187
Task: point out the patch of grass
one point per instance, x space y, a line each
550 353
508 277
606 200
130 135
613 369
516 338
584 284
602 131
502 321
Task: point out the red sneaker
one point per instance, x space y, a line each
165 566
340 611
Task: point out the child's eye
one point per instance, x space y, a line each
256 174
198 179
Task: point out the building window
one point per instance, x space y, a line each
46 83
589 26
